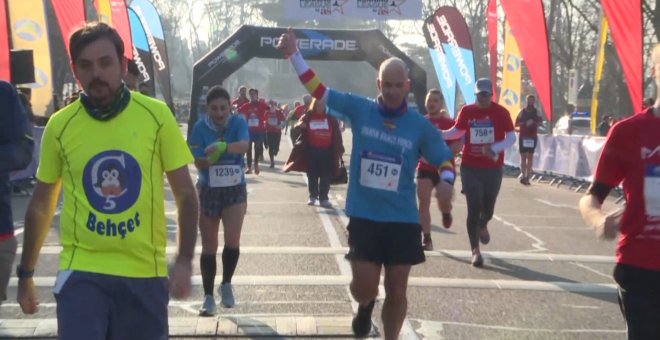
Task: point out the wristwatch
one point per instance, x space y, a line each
22 273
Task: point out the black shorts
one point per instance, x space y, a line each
433 175
213 201
385 243
527 149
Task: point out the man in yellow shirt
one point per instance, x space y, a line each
109 151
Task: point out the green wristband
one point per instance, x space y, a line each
221 148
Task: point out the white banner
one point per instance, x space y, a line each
354 9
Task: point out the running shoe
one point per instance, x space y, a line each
362 320
427 243
208 307
447 220
311 201
325 204
226 295
477 260
248 171
484 237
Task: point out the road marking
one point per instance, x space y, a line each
595 271
557 205
519 329
173 303
463 254
429 282
538 243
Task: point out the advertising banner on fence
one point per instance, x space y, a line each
353 9
29 31
511 75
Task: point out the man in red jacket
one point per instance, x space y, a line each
255 114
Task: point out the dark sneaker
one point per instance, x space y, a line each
362 320
484 237
447 220
427 243
477 260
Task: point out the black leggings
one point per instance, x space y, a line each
258 151
639 299
481 187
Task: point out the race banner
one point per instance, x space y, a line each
446 77
29 31
448 26
70 15
153 28
600 63
527 20
511 74
114 13
625 21
353 9
5 62
492 43
141 51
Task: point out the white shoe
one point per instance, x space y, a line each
311 201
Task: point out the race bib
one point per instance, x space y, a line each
253 122
225 175
652 190
319 125
273 121
482 133
528 142
380 171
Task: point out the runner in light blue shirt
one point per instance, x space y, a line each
384 228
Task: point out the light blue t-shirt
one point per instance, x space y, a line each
229 165
384 158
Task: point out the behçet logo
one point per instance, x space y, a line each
112 181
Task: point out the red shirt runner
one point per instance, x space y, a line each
319 132
273 120
528 131
238 102
441 123
255 114
632 155
483 127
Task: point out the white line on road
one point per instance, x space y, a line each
520 329
430 282
595 271
538 243
173 303
464 254
556 205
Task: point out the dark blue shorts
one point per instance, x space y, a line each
213 201
385 243
98 306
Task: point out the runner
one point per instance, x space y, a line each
384 228
218 144
255 112
241 99
274 120
490 133
631 156
528 122
108 151
428 176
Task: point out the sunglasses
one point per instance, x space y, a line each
484 94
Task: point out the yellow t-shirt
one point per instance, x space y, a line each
113 216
